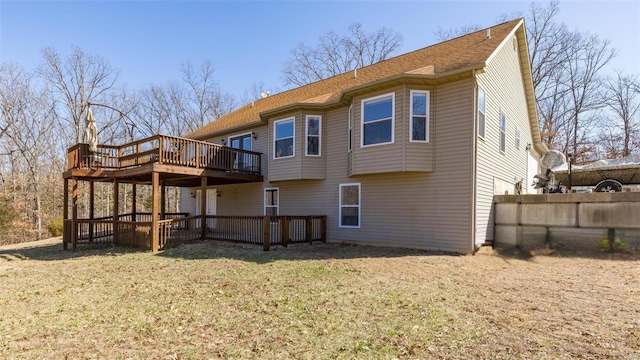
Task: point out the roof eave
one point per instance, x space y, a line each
359 88
521 34
219 132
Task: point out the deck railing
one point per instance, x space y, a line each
255 230
100 230
165 150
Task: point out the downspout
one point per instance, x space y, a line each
474 161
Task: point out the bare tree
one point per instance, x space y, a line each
621 132
205 101
30 119
78 80
181 107
447 34
588 54
335 54
256 91
116 117
12 94
162 109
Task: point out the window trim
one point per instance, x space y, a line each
483 111
426 116
306 135
503 133
240 136
264 200
340 206
393 118
293 150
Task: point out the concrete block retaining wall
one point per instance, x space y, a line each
570 220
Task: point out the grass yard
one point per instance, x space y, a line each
220 301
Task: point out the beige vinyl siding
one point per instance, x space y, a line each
453 170
187 202
300 166
286 168
504 88
378 158
403 155
412 209
422 210
241 199
314 167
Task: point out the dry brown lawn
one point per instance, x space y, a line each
213 301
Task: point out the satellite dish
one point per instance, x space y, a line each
264 94
553 159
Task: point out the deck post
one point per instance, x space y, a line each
266 232
284 227
65 215
155 234
308 223
203 207
134 196
91 208
323 229
197 156
116 210
74 214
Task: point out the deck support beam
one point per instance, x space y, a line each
203 207
91 208
116 210
134 197
74 214
65 216
155 234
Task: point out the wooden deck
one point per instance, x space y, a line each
159 161
178 161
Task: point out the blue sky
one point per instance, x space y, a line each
249 41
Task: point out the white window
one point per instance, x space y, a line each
271 202
517 138
314 135
503 132
283 138
419 126
377 120
481 112
350 205
350 134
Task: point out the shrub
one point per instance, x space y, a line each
55 226
618 244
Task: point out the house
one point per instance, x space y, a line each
406 152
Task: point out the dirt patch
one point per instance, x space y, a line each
317 302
